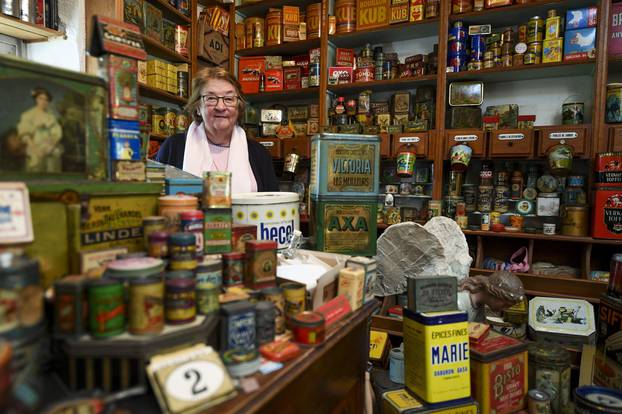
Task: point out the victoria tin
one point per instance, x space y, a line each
344 165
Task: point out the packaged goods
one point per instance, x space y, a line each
581 18
580 44
371 13
260 263
552 51
608 168
614 43
249 73
563 321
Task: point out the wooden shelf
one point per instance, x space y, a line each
14 27
526 72
556 286
284 49
171 12
384 85
538 236
284 95
157 137
153 93
157 49
519 13
386 34
260 8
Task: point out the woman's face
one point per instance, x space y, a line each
219 117
42 101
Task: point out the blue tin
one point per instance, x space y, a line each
344 165
396 365
478 47
457 33
125 140
457 47
237 326
187 186
597 400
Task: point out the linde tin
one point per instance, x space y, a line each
436 355
344 165
275 214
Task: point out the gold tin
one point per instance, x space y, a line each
216 189
506 61
529 59
517 59
253 27
273 27
535 47
295 296
314 11
535 29
345 12
575 221
146 307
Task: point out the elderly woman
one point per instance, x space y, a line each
214 141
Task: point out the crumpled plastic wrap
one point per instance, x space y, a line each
411 250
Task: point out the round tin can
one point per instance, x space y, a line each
192 222
314 11
396 365
345 12
158 244
549 370
182 250
170 119
275 295
434 208
484 199
216 189
152 224
209 271
180 301
265 314
171 205
69 306
133 268
572 113
406 162
590 399
535 47
529 58
308 328
535 29
254 31
207 295
518 59
575 220
106 308
560 159
233 269
478 47
614 102
295 299
273 27
146 306
538 402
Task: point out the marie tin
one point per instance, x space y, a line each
344 165
70 308
436 351
217 230
106 308
216 189
180 301
233 269
308 328
207 294
260 263
591 399
499 373
146 306
237 326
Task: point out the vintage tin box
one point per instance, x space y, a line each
499 373
464 117
371 13
436 355
563 321
72 106
344 224
608 168
402 402
614 44
466 93
91 216
344 165
581 18
607 212
580 44
189 186
369 265
237 325
432 293
610 325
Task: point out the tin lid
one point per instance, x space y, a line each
182 239
542 352
308 318
598 399
154 220
145 281
128 267
158 236
260 245
548 195
233 256
240 306
538 395
179 274
495 346
178 200
436 318
264 198
209 266
180 283
191 215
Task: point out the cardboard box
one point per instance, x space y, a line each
344 57
339 75
274 80
371 13
249 73
580 44
581 18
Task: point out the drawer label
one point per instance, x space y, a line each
409 139
510 137
563 135
465 138
267 143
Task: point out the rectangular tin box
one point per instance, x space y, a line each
344 165
610 325
402 402
580 44
562 321
432 294
370 266
607 212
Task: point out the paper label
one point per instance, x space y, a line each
510 137
563 135
409 139
465 138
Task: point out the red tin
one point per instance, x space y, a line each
308 328
607 213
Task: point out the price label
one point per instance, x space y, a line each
563 135
267 143
510 137
194 381
409 139
465 138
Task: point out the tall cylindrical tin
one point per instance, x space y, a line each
314 13
295 299
233 269
70 306
275 295
182 251
106 308
345 11
575 220
146 306
192 222
549 369
209 271
207 297
273 27
152 224
180 301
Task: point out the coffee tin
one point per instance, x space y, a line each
146 306
106 308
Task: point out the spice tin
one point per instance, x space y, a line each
614 102
180 301
575 220
237 326
308 328
233 269
591 399
217 230
436 351
499 373
265 314
345 12
106 308
549 371
260 263
432 294
171 205
182 251
207 294
137 267
216 189
152 224
69 308
210 271
538 402
344 164
146 306
158 244
294 295
275 295
192 222
565 321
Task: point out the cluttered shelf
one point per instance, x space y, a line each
384 85
14 27
257 8
160 94
391 33
536 236
527 72
170 11
289 48
157 49
288 94
509 15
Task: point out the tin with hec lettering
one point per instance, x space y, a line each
106 308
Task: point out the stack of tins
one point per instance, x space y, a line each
607 211
344 192
22 323
217 212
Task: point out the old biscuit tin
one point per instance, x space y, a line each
344 165
565 321
608 168
436 350
499 373
146 306
402 402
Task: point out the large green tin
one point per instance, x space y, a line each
345 225
344 165
217 230
106 308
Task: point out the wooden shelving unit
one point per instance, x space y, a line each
276 96
509 15
14 27
383 85
157 49
171 12
527 72
284 49
260 8
154 93
391 33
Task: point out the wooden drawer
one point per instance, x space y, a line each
573 135
474 138
385 145
300 146
615 138
511 143
273 145
418 139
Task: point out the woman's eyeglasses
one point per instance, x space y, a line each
210 100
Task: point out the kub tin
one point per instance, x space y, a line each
180 301
217 230
146 306
275 295
308 328
69 306
237 326
265 314
217 189
207 295
106 308
233 269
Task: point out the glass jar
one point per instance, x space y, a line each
484 199
549 371
183 251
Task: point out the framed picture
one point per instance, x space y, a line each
15 218
53 125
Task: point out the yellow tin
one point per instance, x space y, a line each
399 401
552 50
436 355
402 402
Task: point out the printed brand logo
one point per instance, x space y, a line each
267 143
563 135
242 331
613 213
278 232
347 223
510 137
97 237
